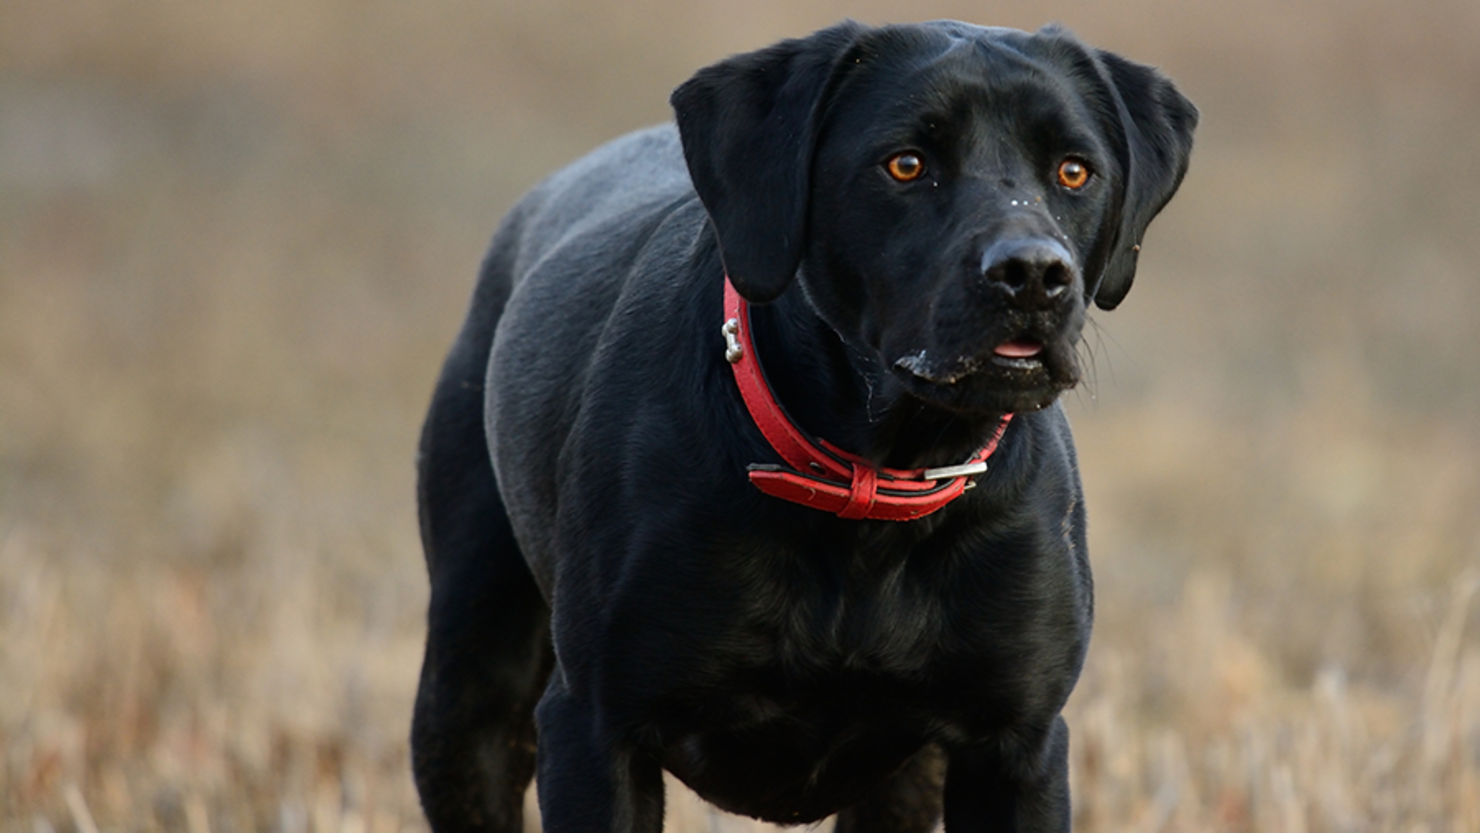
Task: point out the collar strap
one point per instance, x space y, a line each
821 475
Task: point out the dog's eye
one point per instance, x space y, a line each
1073 173
905 167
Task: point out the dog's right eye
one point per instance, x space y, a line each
905 167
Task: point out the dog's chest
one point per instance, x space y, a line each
868 649
874 611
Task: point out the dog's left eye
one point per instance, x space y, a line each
905 167
1073 173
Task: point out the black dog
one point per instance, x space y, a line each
659 572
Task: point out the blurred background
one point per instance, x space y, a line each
235 240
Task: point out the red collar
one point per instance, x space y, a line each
821 475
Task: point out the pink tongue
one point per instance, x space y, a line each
1018 350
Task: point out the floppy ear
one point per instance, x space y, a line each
1158 123
748 126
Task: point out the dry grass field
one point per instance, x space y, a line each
236 238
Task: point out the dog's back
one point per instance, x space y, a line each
564 250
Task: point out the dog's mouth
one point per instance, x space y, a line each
1020 353
1024 372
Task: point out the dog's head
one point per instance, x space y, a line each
951 196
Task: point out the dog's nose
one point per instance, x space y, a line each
1033 272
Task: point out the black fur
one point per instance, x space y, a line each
601 567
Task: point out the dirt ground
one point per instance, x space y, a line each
235 240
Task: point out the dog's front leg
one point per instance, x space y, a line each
1011 789
589 783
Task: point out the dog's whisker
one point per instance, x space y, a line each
1089 360
1105 339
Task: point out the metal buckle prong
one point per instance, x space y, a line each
948 472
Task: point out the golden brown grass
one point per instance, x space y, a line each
235 242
